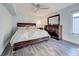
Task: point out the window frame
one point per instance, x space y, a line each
72 23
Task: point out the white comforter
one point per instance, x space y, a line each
25 35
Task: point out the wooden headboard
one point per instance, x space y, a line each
24 24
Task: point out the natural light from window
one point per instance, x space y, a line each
76 23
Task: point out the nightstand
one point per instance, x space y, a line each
40 28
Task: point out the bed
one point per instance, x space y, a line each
27 34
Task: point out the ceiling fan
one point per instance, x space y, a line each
39 6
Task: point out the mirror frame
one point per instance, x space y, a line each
58 15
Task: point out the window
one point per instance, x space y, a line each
76 23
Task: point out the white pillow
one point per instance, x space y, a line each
27 27
23 28
32 27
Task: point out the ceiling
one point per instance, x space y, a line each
28 9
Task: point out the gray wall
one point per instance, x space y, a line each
5 27
66 22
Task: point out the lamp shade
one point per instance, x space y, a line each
38 24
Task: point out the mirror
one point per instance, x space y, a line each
54 19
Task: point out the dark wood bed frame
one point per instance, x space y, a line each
24 24
22 44
25 43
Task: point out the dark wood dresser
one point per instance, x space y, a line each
55 31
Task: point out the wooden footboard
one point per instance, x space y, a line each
26 43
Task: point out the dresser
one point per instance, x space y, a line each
55 31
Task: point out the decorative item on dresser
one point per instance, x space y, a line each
54 28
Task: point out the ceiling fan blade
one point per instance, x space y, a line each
38 6
44 8
33 4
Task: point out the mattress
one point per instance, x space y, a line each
28 35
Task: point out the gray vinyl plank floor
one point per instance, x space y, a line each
51 47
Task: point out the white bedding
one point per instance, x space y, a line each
25 35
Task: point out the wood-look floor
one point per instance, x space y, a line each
51 47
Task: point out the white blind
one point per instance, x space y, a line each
76 23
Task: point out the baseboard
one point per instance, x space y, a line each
70 42
4 50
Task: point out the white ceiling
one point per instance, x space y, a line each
29 9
